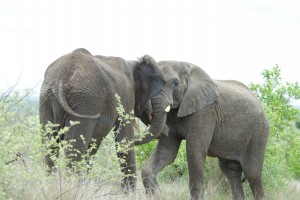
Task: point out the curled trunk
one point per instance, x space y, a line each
160 109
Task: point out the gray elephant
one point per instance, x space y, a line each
82 87
217 118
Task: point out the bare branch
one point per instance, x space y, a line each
18 157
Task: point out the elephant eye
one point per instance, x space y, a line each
176 84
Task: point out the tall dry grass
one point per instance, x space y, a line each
72 188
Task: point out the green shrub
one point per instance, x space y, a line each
23 173
17 127
143 152
297 125
293 152
282 153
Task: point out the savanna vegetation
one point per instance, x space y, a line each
23 174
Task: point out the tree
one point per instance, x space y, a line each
275 97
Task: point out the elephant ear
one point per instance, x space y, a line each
201 91
149 81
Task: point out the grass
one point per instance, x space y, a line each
28 180
72 188
76 189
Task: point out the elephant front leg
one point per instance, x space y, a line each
198 140
196 173
125 152
164 154
196 148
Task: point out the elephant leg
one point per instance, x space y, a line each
126 155
233 172
47 115
197 144
252 167
196 160
79 136
164 154
102 130
200 130
256 187
252 171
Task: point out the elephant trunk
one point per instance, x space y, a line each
161 107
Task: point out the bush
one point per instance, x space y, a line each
297 125
282 153
18 128
23 173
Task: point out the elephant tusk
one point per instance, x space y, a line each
150 118
168 108
136 126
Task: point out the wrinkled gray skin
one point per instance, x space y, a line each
217 118
82 87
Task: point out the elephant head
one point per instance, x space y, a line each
188 89
148 82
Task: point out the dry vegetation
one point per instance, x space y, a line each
75 189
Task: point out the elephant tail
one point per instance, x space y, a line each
63 102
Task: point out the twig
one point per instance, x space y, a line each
61 194
99 187
60 182
7 93
44 193
116 193
18 156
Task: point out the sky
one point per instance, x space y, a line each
231 39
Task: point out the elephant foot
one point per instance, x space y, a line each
128 184
150 184
154 194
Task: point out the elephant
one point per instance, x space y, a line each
217 118
81 87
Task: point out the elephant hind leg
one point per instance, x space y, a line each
252 168
233 172
256 187
79 136
48 114
254 178
126 155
